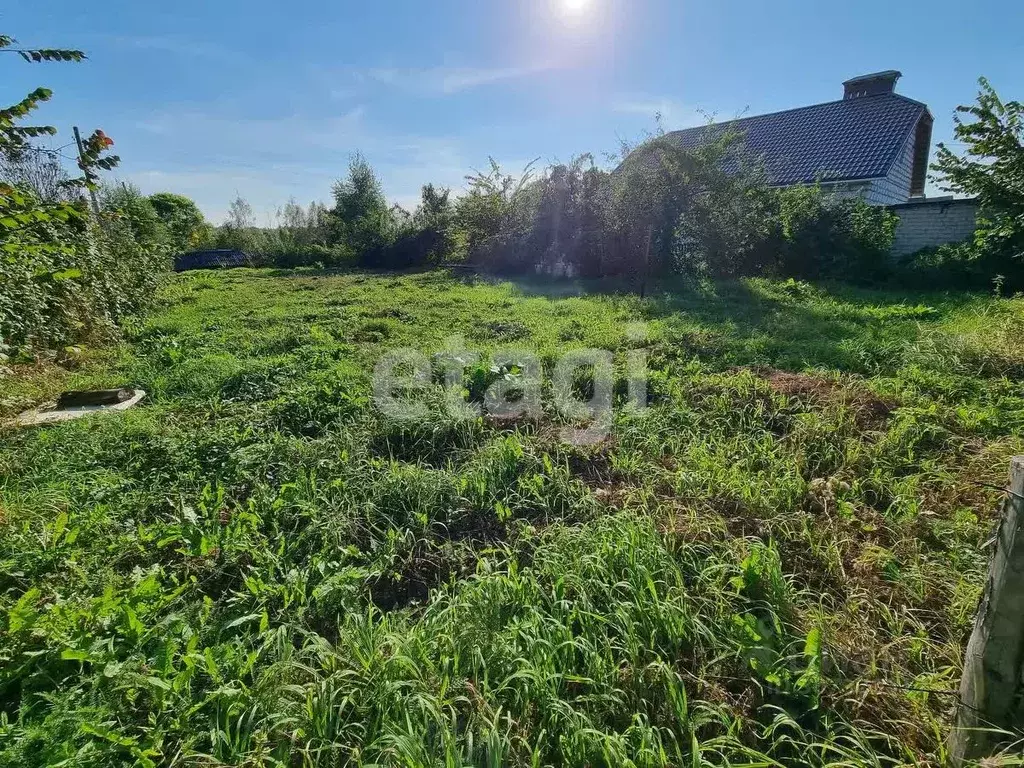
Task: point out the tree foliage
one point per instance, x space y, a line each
820 235
186 227
703 211
991 168
495 215
41 172
707 210
361 217
126 202
63 274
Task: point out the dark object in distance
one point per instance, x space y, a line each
215 259
78 399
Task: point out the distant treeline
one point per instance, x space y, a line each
707 211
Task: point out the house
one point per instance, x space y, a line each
873 143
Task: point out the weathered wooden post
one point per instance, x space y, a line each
992 689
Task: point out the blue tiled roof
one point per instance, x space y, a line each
214 259
838 141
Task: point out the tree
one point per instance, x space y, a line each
127 202
240 214
318 220
495 217
293 216
992 169
361 217
186 226
39 170
61 278
653 187
435 206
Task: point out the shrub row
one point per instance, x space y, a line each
66 278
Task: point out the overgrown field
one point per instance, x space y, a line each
776 563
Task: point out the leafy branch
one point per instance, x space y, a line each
15 138
991 168
38 55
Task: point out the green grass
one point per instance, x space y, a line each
258 568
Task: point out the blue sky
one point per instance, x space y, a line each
211 98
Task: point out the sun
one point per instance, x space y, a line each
575 7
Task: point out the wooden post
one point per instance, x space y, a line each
992 687
647 260
85 170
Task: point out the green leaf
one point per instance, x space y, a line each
59 524
134 624
24 613
157 682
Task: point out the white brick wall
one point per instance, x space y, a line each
933 222
895 188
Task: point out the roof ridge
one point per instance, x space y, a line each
799 109
845 139
912 131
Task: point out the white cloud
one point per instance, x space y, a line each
444 81
212 158
269 135
213 190
673 113
213 154
176 45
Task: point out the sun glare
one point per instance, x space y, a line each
575 7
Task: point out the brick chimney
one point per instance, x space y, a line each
871 85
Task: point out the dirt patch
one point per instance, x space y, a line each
412 585
478 528
592 464
870 410
798 384
504 330
451 554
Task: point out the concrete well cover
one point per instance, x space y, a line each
51 415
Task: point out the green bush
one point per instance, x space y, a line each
703 211
411 241
66 279
66 275
495 217
126 203
281 247
183 221
957 266
361 218
361 229
728 228
991 169
825 235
